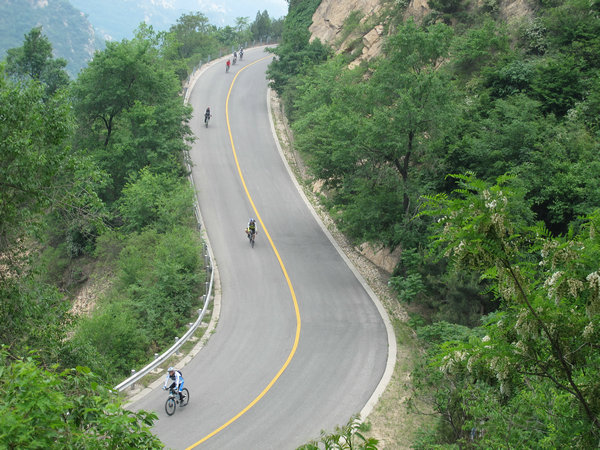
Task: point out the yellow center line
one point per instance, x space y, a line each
291 288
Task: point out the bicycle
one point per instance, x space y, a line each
173 400
206 119
251 237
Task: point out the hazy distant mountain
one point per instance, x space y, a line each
117 19
70 33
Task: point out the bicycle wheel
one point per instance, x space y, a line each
186 397
170 406
252 241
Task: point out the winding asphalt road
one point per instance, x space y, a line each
300 344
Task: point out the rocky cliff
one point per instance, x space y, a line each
331 17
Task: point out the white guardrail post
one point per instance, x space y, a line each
159 359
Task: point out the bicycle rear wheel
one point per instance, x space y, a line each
186 397
170 406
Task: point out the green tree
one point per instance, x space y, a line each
368 139
34 61
479 46
416 98
261 26
296 53
70 409
39 172
242 30
130 112
118 338
160 201
539 355
557 84
193 35
161 273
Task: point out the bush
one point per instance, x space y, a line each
70 409
160 201
117 336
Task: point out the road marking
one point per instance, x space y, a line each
283 269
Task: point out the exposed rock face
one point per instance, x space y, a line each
382 257
328 21
417 9
510 9
329 17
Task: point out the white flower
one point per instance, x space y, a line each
594 280
491 205
555 276
588 330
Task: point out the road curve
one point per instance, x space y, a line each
300 344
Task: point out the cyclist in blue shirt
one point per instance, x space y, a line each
174 380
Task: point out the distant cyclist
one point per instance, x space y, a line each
227 65
174 381
241 53
207 115
251 229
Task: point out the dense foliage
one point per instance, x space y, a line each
193 39
507 290
67 409
295 54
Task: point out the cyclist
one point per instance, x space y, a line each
251 229
207 115
175 381
241 53
227 65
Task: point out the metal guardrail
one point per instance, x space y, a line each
166 355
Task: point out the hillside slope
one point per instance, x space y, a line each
72 36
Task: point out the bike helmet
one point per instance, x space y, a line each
171 369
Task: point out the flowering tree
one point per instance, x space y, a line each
533 377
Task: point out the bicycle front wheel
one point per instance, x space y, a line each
186 397
170 406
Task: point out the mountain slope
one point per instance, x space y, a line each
72 36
